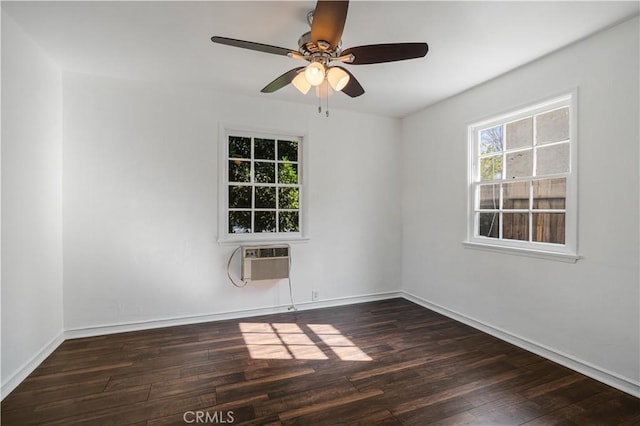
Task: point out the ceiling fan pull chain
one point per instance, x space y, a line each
327 95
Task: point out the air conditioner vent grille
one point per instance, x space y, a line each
265 263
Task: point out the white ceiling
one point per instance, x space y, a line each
169 42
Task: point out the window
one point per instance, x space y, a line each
262 187
522 180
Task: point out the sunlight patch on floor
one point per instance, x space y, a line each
289 341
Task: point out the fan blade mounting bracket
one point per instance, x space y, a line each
296 55
344 58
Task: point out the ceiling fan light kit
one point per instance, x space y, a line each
300 82
337 78
314 73
323 45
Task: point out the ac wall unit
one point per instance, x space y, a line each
265 263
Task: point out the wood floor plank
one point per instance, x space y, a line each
432 413
417 367
453 392
303 393
234 391
355 414
266 379
510 410
329 405
22 398
129 379
57 410
388 369
561 416
192 385
138 411
552 385
464 418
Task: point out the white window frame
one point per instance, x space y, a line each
224 236
567 252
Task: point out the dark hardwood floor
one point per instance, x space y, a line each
388 362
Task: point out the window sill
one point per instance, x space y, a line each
262 241
519 251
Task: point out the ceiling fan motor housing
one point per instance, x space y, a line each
307 47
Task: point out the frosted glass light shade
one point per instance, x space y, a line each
314 73
338 78
301 83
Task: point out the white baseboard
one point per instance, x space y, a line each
602 375
349 300
27 368
241 313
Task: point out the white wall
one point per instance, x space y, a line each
588 311
31 202
140 203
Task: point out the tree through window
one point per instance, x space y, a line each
263 184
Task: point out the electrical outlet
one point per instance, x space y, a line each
314 295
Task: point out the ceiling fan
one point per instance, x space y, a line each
322 46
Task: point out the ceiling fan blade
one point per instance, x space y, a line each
379 53
266 48
328 22
281 81
353 87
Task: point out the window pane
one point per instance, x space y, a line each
262 180
552 126
240 197
265 172
552 159
239 171
264 149
491 168
515 226
549 193
287 173
489 196
288 150
239 147
520 134
266 197
548 227
289 222
519 164
491 140
515 196
265 221
239 222
489 225
288 198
